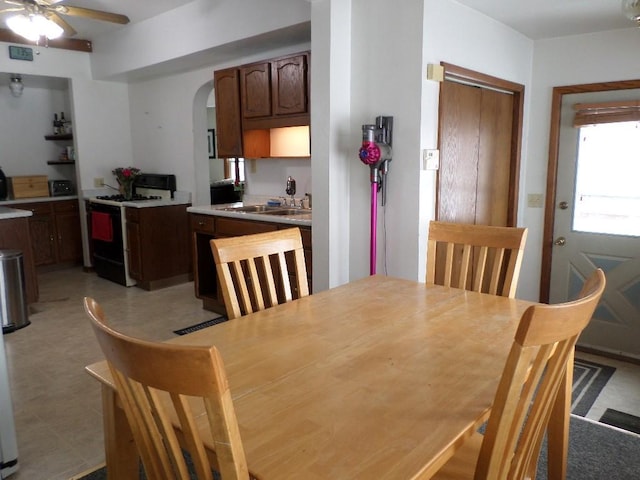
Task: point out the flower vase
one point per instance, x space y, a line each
126 189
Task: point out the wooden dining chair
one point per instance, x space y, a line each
161 385
533 375
481 258
254 270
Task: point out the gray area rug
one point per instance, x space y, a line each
598 452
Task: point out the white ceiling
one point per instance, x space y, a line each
536 19
136 10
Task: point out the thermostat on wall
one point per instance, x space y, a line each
20 53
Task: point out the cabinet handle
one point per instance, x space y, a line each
201 223
51 238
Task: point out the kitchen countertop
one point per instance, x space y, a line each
7 213
154 203
5 203
217 210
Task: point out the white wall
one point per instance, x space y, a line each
390 50
386 71
25 121
458 35
195 28
169 123
600 57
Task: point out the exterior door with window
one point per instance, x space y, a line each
597 220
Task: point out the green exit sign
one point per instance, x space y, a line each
21 53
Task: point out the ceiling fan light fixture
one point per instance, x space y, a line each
631 10
16 85
34 26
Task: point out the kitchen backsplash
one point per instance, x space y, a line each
268 176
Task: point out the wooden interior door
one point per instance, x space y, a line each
480 134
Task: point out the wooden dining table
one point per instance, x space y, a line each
378 378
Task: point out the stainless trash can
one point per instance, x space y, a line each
13 301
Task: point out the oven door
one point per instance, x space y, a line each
107 242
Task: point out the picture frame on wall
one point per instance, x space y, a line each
211 142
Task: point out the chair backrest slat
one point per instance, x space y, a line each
260 277
481 258
541 353
164 388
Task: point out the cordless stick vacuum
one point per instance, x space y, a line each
376 153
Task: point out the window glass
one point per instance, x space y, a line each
607 195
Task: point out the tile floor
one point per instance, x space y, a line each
57 405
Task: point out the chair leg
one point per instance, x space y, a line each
121 453
558 429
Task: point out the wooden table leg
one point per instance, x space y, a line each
558 429
121 454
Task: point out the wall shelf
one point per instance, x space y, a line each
60 162
63 136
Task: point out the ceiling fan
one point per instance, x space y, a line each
34 11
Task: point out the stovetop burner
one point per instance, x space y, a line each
136 197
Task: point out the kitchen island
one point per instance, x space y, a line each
219 221
14 234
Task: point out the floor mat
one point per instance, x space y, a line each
589 378
622 420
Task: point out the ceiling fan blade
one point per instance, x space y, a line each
14 2
90 13
16 9
57 19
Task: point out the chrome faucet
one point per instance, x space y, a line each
291 189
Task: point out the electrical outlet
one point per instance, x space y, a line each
98 182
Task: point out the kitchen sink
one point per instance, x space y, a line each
269 210
289 211
252 209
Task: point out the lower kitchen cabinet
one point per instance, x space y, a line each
55 231
158 246
14 235
206 227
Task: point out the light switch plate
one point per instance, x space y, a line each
534 200
431 159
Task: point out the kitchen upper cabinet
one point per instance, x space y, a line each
255 86
275 93
228 114
290 85
252 99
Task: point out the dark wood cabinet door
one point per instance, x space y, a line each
134 251
290 85
68 234
255 86
228 119
42 231
14 234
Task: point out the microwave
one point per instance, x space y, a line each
60 188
